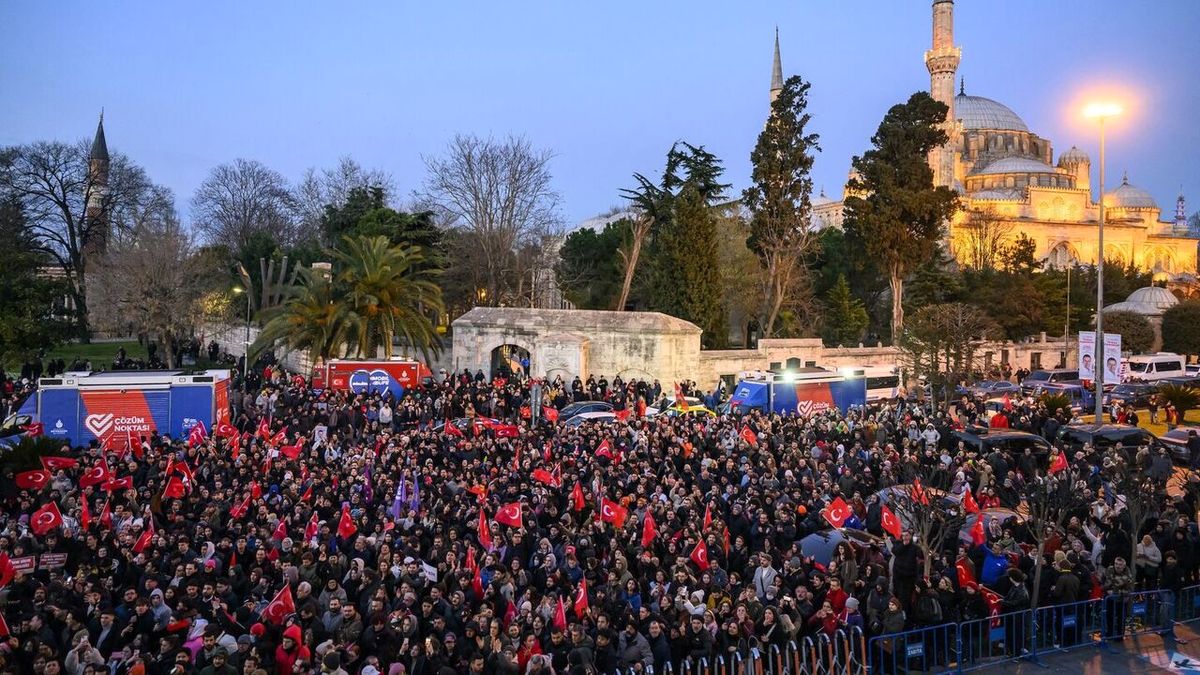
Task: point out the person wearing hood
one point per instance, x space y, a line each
633 648
290 650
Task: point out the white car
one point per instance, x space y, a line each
584 418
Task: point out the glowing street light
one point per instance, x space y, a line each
1101 111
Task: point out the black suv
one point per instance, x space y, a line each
983 441
1102 436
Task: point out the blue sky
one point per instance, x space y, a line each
607 86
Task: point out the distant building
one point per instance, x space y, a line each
97 233
1000 167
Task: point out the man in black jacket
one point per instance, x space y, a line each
1171 580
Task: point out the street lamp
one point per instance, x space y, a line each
1100 111
246 341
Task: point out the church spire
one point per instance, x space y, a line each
776 70
99 145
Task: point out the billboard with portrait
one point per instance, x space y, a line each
1087 356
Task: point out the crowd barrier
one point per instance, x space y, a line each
968 646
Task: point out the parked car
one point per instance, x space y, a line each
887 494
580 407
991 389
1082 398
1039 378
1007 518
1183 381
1101 436
1154 367
983 441
1130 393
463 424
1176 442
665 403
584 418
821 545
1192 370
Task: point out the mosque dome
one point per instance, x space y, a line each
1148 301
1074 156
820 199
1013 165
977 112
1128 196
1000 194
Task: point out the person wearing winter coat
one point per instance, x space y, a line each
633 648
1118 583
290 650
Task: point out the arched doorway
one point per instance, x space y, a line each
509 360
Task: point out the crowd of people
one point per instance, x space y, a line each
323 532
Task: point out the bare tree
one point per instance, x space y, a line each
319 188
982 239
500 193
1050 500
241 199
73 211
923 512
943 341
152 282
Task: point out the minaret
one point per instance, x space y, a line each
942 62
776 71
1181 221
96 240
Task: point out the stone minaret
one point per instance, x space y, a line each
776 71
942 62
96 241
1181 221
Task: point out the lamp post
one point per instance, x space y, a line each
246 340
1100 112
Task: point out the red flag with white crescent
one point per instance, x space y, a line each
612 512
749 436
45 519
700 555
85 515
649 529
95 475
510 514
346 526
32 480
485 530
837 512
889 522
560 615
280 606
969 504
577 500
707 517
581 599
52 463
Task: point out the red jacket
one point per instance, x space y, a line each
285 659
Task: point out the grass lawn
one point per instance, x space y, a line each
99 353
1191 418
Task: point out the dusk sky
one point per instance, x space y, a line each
607 86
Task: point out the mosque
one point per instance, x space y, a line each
1008 178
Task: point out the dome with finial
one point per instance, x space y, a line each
1074 156
1128 196
977 112
820 199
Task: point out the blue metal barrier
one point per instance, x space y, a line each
923 649
1067 626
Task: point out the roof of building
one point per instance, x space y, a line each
1007 194
1128 196
1148 301
977 112
587 320
99 145
1013 165
1074 156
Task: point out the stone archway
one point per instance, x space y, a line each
1061 256
509 360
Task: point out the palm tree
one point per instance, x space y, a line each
390 292
311 319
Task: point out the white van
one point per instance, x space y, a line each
1153 367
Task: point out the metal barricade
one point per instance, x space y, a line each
702 665
1187 605
825 652
1067 626
995 639
809 656
856 653
775 664
756 661
921 649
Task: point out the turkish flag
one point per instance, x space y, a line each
4 632
837 512
707 516
477 583
977 535
604 449
33 480
264 429
45 519
106 514
52 463
225 430
280 437
485 530
551 414
992 600
95 475
346 527
622 415
918 492
965 575
255 490
85 516
307 495
581 599
543 476
290 451
280 607
451 429
175 488
525 412
700 555
310 530
280 532
197 435
612 512
115 484
7 571
889 522
649 529
577 500
144 539
969 504
238 512
34 429
510 514
470 563
560 615
749 436
1059 463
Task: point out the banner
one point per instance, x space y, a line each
1087 356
